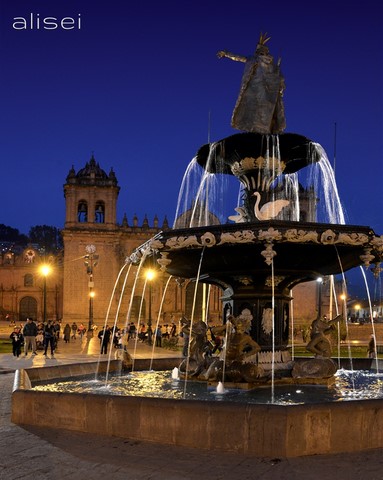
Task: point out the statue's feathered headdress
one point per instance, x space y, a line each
261 46
263 39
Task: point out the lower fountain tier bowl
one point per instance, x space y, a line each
233 254
264 430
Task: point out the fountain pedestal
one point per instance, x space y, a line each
266 312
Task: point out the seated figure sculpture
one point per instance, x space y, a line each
319 343
237 361
238 343
197 333
322 366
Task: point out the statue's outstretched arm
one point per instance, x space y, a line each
232 56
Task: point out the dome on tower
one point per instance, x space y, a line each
92 174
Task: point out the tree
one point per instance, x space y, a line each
10 234
46 237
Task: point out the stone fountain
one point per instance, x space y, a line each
256 260
259 258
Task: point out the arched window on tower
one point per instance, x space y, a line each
99 214
82 211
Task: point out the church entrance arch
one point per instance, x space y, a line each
28 308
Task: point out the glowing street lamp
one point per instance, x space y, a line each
45 270
150 274
90 323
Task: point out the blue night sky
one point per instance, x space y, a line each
136 83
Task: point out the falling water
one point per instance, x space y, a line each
138 322
189 185
371 315
207 199
291 192
116 319
273 333
333 300
110 302
145 253
323 181
158 320
292 325
228 331
346 323
192 319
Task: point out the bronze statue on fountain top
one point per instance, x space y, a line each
259 106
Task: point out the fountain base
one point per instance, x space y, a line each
266 430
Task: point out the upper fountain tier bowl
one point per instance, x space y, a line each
292 151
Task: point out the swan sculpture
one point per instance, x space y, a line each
270 209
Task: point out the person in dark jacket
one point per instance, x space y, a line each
49 338
67 331
104 336
17 340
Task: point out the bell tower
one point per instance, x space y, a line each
91 198
90 226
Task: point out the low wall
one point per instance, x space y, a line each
259 430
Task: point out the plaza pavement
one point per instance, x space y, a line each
40 453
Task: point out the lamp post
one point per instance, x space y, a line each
45 270
90 261
150 274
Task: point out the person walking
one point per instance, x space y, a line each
17 340
74 330
81 330
29 334
104 336
132 331
49 338
67 331
158 335
57 329
173 330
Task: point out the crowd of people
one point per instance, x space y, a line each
144 333
34 336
